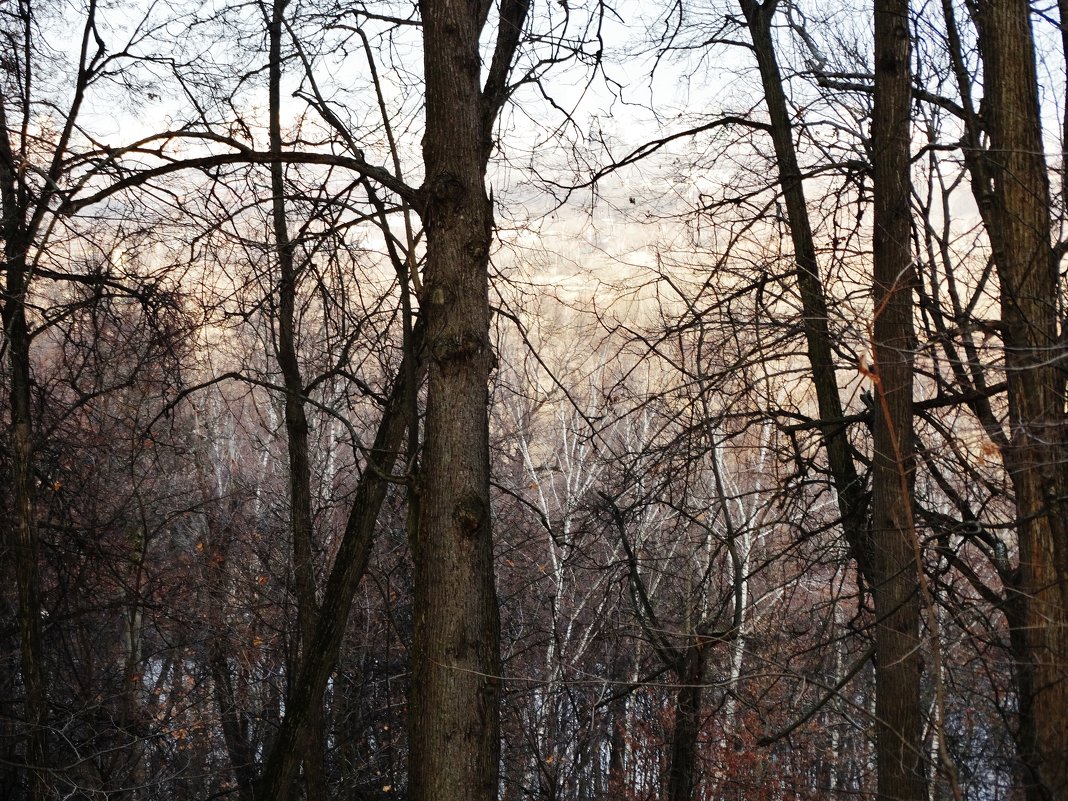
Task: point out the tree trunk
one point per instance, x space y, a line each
296 419
895 573
320 658
454 702
1019 199
237 746
683 766
454 716
20 533
847 484
886 556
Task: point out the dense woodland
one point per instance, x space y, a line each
555 400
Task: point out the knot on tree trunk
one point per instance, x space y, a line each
469 513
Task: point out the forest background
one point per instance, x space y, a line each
555 400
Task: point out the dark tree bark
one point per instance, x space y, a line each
848 486
1062 12
286 752
34 160
885 555
27 192
20 533
682 770
1012 186
895 573
296 419
453 708
454 703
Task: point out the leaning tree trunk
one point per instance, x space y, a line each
847 484
304 704
895 569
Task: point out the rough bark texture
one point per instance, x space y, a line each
454 703
21 534
1018 200
895 567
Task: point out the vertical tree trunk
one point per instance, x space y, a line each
20 533
895 573
683 765
1019 197
886 556
454 716
454 702
1062 11
296 420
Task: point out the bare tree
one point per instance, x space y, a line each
455 650
40 143
1011 184
897 567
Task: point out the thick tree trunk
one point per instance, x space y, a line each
895 569
1019 198
683 766
454 702
885 556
